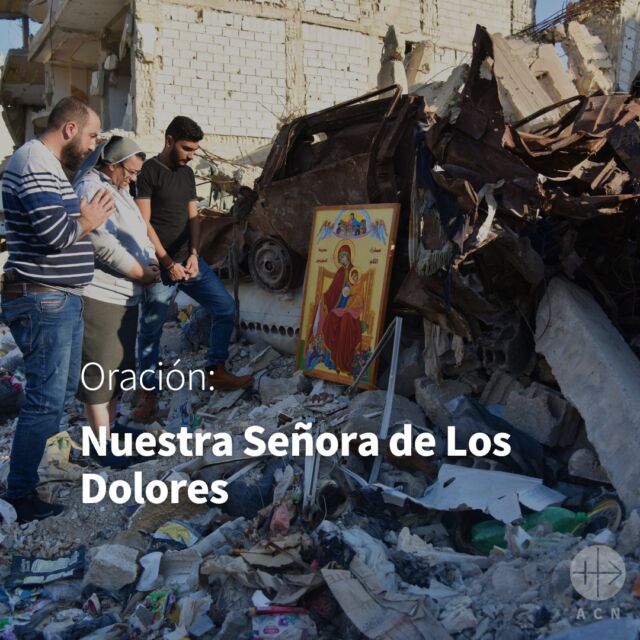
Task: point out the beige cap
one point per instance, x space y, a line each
118 149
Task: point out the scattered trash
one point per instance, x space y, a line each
282 622
30 572
487 535
178 532
494 492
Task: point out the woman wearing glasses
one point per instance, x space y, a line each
125 262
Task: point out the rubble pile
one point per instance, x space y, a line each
307 546
525 271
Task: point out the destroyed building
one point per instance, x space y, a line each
236 68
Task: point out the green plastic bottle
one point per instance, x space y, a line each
489 534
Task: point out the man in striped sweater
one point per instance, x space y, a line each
50 261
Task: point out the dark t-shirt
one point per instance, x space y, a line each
170 191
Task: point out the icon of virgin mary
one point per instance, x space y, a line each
338 315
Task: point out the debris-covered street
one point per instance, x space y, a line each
412 569
504 309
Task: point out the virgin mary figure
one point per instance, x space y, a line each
338 315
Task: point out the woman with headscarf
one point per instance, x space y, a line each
125 262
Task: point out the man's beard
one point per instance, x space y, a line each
72 156
175 159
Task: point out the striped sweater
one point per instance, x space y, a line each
40 209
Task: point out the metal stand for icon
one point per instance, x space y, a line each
395 330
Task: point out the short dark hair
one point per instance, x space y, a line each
67 110
183 128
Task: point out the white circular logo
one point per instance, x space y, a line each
598 572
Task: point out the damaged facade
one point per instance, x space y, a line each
237 68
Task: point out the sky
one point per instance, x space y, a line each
11 32
546 8
10 35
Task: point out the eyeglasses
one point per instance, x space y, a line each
134 173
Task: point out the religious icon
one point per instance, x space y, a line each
346 290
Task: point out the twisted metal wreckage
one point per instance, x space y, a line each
492 213
489 211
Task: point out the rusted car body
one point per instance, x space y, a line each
358 152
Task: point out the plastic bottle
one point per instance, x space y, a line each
489 534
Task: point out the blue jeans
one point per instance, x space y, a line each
47 327
206 289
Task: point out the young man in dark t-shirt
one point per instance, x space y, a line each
166 196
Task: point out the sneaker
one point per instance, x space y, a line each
123 428
112 460
222 380
146 410
30 507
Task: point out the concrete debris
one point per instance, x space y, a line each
520 92
499 387
392 70
410 367
552 75
587 355
506 579
112 567
273 389
584 464
432 398
588 60
544 414
623 629
7 512
394 567
629 538
419 62
444 98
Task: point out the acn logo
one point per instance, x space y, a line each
598 572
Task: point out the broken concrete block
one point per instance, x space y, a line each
114 566
588 60
509 347
432 398
584 464
544 414
599 374
273 389
445 98
553 76
519 90
629 539
507 580
419 62
459 616
392 69
410 367
366 412
499 388
131 539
